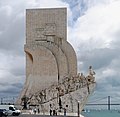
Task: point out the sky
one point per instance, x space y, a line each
93 31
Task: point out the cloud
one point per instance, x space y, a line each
12 31
93 30
97 26
12 39
95 37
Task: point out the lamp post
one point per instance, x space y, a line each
78 104
108 102
1 100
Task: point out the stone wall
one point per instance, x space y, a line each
49 57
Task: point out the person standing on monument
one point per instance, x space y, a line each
50 110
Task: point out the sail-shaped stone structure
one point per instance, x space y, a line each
51 64
49 56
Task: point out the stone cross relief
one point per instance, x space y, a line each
48 30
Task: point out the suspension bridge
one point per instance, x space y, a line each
107 101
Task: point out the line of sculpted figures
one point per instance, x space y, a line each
66 86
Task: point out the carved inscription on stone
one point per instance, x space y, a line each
50 38
50 29
40 33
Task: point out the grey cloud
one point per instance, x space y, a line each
3 84
109 84
98 57
17 67
13 38
113 80
116 42
17 85
102 59
18 71
11 90
79 7
12 27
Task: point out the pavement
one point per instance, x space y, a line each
38 115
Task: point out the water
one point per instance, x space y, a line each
101 113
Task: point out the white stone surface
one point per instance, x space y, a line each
49 57
51 63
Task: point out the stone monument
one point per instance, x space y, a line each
49 56
52 83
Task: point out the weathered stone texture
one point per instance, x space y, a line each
42 22
49 57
